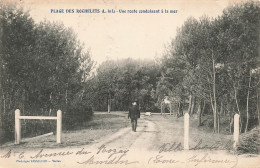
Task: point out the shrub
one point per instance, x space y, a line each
249 142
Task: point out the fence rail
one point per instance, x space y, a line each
18 117
37 118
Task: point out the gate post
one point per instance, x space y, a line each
236 130
59 126
17 132
186 131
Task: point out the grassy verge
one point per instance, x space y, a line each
81 134
249 142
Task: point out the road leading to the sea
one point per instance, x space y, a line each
158 142
156 130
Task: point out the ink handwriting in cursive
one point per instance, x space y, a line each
218 145
113 156
195 160
103 149
167 147
110 160
41 154
160 159
207 159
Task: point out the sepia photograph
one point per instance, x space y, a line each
130 84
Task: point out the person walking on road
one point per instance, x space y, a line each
134 114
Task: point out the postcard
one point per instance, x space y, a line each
135 83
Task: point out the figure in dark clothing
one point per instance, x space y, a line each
134 114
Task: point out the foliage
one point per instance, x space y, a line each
249 142
123 81
216 62
44 69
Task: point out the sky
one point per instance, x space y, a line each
124 35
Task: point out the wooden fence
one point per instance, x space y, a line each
18 117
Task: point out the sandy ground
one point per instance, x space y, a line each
109 142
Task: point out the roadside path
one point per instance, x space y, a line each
125 138
141 148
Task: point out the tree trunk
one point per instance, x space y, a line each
218 121
214 93
192 105
229 114
190 101
247 102
257 107
203 108
219 114
108 104
240 125
1 64
2 131
50 111
161 108
222 107
199 112
231 124
4 103
180 108
66 94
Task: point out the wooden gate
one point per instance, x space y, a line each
18 117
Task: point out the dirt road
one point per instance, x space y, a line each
126 138
156 130
158 142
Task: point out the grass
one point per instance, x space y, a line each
82 134
249 142
172 131
207 124
169 129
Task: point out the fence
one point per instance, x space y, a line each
186 131
18 117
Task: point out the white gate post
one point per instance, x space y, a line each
236 130
186 131
59 126
17 131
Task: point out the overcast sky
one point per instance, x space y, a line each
117 35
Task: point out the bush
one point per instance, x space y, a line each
249 142
77 114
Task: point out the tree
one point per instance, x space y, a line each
119 82
43 68
215 58
241 37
